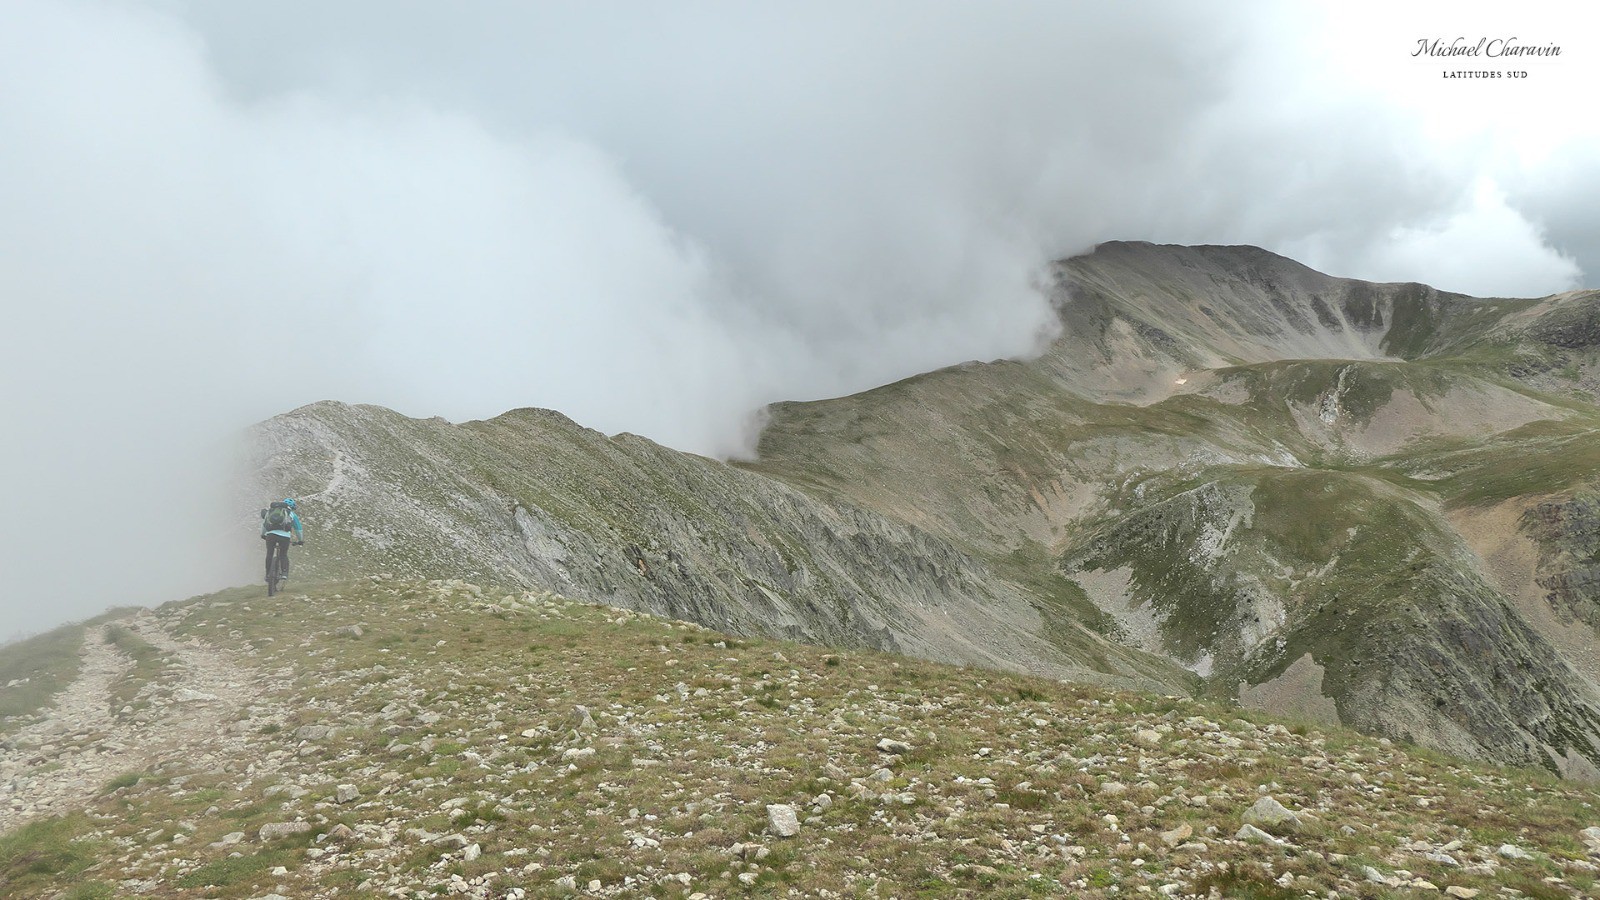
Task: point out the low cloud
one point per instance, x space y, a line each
655 218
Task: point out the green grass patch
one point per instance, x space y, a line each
90 890
235 870
121 781
43 852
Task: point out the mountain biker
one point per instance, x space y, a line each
277 521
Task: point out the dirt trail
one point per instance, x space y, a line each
83 742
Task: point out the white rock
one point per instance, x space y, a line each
472 852
1268 811
782 820
1512 851
346 793
889 745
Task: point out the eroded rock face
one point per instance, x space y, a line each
1568 534
1575 327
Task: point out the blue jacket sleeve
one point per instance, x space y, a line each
299 531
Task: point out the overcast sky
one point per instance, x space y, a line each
657 217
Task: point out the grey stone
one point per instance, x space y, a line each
274 830
1443 859
582 720
1512 851
1177 835
1253 834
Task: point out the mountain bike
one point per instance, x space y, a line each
275 575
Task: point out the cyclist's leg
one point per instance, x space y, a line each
271 548
283 558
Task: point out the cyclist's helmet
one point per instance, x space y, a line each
289 502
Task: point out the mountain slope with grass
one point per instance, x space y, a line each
1284 481
394 738
531 498
1371 504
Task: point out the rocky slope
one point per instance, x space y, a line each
1351 502
391 738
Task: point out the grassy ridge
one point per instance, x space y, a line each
455 715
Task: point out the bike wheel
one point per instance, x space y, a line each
273 578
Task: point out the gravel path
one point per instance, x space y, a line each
82 743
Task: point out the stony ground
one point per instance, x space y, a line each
392 739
